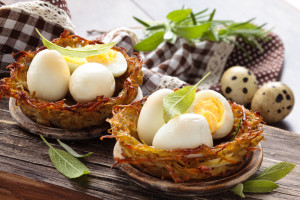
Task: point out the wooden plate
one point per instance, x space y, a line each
208 187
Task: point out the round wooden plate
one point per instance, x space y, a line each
207 187
58 133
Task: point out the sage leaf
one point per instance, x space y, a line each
259 186
151 42
275 172
71 151
192 32
179 15
65 163
82 52
179 101
238 190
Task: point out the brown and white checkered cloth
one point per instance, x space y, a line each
18 23
175 65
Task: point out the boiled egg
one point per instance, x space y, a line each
217 111
184 131
151 116
48 76
113 60
91 80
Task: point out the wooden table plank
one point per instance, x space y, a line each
25 155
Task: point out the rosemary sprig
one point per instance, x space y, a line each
199 26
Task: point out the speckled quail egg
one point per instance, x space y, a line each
239 84
273 101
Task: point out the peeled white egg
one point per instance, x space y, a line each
184 131
113 60
151 116
48 76
91 80
217 111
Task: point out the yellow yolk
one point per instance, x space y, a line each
213 110
104 58
73 62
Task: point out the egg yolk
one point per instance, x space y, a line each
104 58
213 110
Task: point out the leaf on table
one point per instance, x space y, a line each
275 172
179 101
66 164
259 186
151 42
88 50
71 151
179 15
192 32
238 190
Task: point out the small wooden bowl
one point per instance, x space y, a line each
207 187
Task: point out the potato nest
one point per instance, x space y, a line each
182 165
66 113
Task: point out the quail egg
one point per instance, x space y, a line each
239 84
274 101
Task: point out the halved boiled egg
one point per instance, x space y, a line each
151 116
217 111
73 62
113 60
184 131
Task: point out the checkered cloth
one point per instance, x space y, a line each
18 23
176 65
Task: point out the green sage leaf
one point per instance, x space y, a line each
71 151
259 186
178 15
151 42
89 50
178 102
275 172
65 163
192 32
238 190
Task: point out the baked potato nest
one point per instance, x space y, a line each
66 113
186 164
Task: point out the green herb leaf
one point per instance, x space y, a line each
141 21
65 163
238 190
259 186
151 42
178 15
192 32
237 130
71 151
178 102
89 50
275 172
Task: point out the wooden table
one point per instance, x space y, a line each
26 171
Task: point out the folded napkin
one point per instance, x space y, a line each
18 22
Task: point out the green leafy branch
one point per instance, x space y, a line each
264 182
200 26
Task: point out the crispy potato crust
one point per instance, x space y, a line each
67 113
186 164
